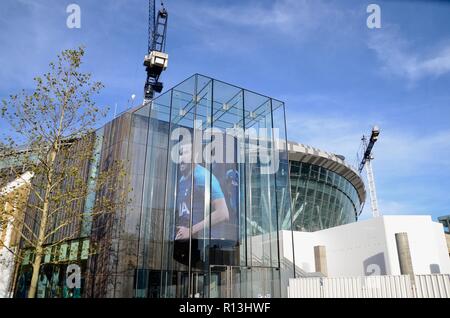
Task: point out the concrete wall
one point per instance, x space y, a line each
426 241
369 247
14 195
6 267
447 236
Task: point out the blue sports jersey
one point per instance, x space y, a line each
233 189
202 177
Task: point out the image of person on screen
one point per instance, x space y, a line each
232 186
200 197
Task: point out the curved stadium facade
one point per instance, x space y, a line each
325 190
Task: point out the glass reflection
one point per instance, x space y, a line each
219 209
321 198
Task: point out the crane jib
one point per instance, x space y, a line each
156 59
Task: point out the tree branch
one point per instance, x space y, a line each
55 230
15 253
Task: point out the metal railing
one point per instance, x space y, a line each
401 286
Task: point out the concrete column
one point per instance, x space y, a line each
320 259
404 254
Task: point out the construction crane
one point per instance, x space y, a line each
156 59
366 162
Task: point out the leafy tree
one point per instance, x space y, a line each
52 136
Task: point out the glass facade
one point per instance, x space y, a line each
64 267
321 198
208 169
211 187
62 273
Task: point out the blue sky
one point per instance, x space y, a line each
336 76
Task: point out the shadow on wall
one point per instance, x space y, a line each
375 265
435 269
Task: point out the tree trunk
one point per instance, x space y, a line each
34 279
42 226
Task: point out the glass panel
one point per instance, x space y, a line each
202 188
73 255
210 187
63 252
85 250
177 214
47 255
154 166
334 200
227 109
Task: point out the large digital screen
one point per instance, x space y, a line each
207 205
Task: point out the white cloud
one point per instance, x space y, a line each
398 151
333 133
409 152
400 59
244 25
30 31
282 14
411 168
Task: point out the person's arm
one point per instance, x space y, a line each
220 214
219 211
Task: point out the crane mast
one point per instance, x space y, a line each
372 190
156 59
367 162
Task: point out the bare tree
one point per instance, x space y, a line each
52 136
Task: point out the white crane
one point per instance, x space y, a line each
366 162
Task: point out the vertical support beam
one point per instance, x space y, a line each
404 254
273 150
165 272
193 162
320 259
246 207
